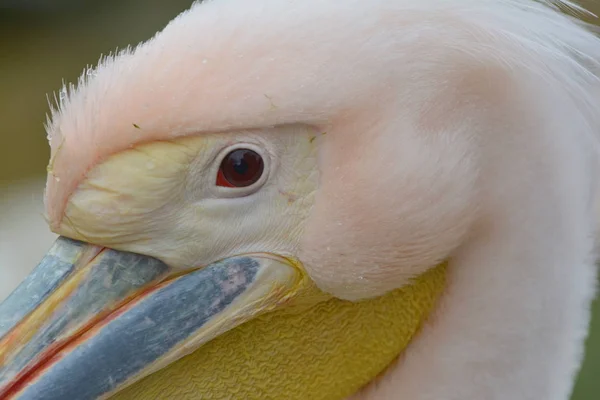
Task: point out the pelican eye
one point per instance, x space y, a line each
240 168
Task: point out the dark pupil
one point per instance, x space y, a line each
242 167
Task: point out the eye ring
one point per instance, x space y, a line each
225 188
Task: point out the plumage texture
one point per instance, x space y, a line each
200 81
463 129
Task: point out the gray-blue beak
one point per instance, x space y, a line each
88 321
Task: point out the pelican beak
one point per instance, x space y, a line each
89 321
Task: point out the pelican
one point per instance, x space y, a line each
320 200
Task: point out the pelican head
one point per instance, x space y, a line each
317 200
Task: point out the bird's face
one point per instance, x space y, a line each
203 193
178 242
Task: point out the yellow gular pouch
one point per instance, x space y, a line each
327 351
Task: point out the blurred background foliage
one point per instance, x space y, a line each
43 42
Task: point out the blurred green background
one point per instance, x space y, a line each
43 42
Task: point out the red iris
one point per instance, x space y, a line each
240 168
